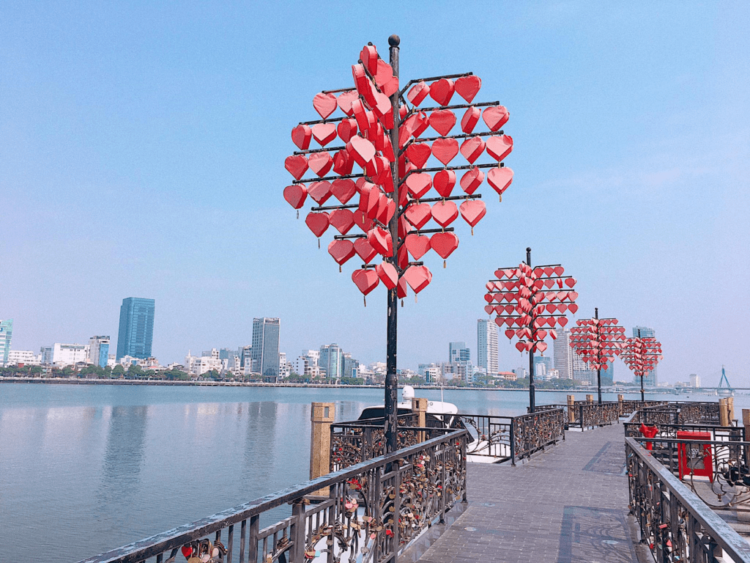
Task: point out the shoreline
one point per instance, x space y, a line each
169 383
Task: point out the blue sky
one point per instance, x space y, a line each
142 152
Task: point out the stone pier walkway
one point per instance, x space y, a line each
566 504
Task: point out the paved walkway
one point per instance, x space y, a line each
567 504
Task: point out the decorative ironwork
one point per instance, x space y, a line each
675 524
374 509
534 431
492 436
678 413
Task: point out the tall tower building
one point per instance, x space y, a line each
650 379
487 346
265 351
563 354
99 350
136 333
6 334
331 361
458 352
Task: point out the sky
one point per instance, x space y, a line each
142 151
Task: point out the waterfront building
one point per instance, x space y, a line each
563 362
545 361
61 355
695 380
23 357
487 346
458 352
6 335
521 372
350 365
198 365
331 360
432 373
306 365
581 372
136 332
650 379
99 350
265 349
508 375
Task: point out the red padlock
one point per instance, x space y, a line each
649 432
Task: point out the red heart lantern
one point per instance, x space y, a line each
418 153
369 58
341 250
570 282
364 250
472 148
347 129
343 162
499 147
296 166
301 136
380 240
444 213
417 245
324 133
442 91
444 150
500 179
472 211
320 191
418 277
342 220
361 149
442 121
541 347
402 289
444 181
472 180
418 214
365 280
320 163
325 104
520 346
383 74
343 189
495 117
470 119
296 194
387 274
444 244
468 86
418 184
317 222
418 93
345 101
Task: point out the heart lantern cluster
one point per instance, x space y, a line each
597 341
357 173
641 355
530 302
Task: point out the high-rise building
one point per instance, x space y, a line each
458 352
6 334
136 333
546 361
349 364
487 346
650 379
99 350
563 354
265 352
695 380
331 360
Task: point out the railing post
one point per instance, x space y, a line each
322 415
583 428
297 531
730 408
419 406
252 546
620 405
723 412
590 399
571 409
513 441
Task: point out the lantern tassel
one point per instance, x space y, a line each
443 264
318 244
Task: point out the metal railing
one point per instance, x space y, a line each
533 432
675 523
587 415
374 510
678 413
492 436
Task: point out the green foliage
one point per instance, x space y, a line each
352 381
176 375
118 370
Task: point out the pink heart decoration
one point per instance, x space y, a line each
417 245
540 334
444 150
418 184
324 104
442 121
390 87
562 321
551 308
495 117
364 250
418 214
324 133
418 93
418 153
317 223
472 180
347 129
499 147
380 240
573 295
296 165
361 149
301 136
342 220
386 212
320 163
360 115
488 297
489 309
387 274
402 289
421 123
361 220
369 58
570 282
442 91
500 179
520 346
320 191
343 189
470 119
444 181
383 73
345 102
541 346
296 194
472 148
444 244
473 210
365 280
573 308
341 250
418 277
468 86
342 162
444 213
510 333
559 270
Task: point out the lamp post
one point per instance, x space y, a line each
530 304
641 355
382 129
597 341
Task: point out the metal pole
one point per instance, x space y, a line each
642 374
599 353
532 400
391 378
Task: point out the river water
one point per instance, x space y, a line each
84 469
